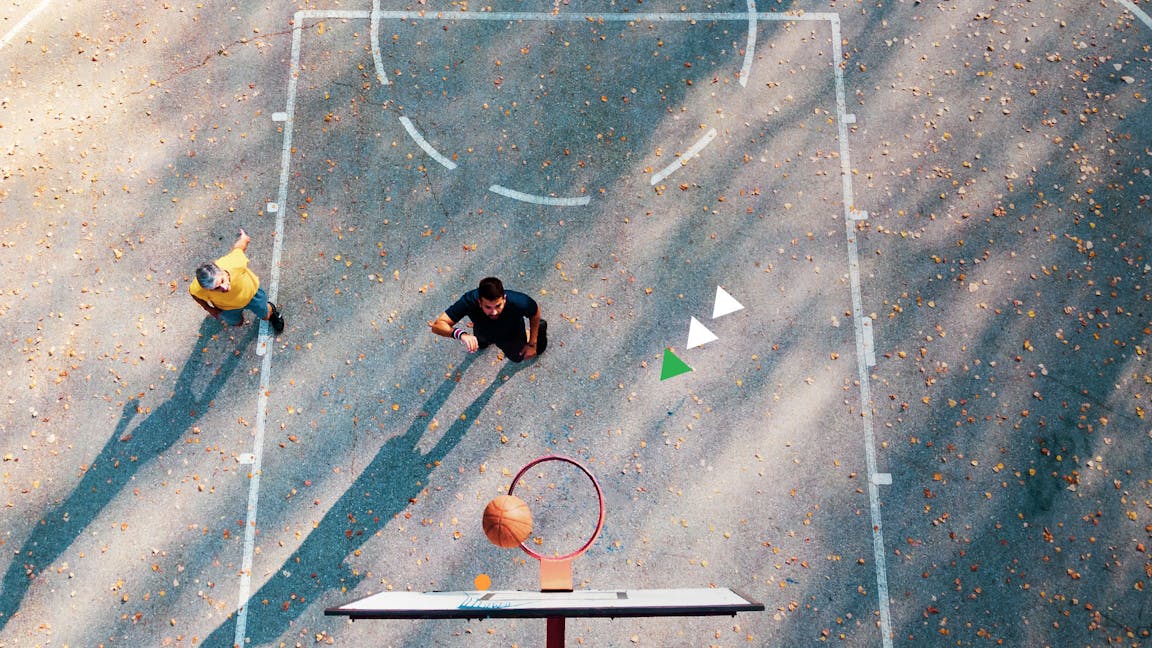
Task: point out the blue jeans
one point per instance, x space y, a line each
258 305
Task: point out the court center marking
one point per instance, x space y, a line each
685 157
423 143
863 342
23 23
750 45
539 200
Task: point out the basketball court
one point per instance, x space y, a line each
910 404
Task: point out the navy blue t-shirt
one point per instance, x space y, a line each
510 324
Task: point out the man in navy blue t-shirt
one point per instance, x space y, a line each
497 318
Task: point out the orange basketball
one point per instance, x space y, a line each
507 521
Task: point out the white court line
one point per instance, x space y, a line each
750 46
423 143
374 34
751 16
266 365
854 266
878 551
515 16
1136 11
23 23
539 200
684 157
330 13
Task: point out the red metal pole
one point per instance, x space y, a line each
555 632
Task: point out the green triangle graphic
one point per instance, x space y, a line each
672 366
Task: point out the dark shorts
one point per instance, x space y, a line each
258 305
511 343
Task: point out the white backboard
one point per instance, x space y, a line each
526 604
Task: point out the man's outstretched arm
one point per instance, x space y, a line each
242 241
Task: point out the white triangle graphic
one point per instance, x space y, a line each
725 303
699 335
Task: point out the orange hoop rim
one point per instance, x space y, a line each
599 497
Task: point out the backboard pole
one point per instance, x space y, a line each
554 628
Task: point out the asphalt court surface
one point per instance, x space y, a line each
618 285
371 446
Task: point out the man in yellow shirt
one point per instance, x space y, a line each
226 288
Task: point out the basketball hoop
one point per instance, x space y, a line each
556 600
556 571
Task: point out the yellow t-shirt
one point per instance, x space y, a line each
244 283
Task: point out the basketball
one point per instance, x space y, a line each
507 521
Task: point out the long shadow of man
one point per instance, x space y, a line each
119 460
398 472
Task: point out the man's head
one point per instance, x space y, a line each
491 297
213 277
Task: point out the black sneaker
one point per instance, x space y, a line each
275 319
542 337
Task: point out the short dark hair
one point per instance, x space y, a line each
491 288
207 274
